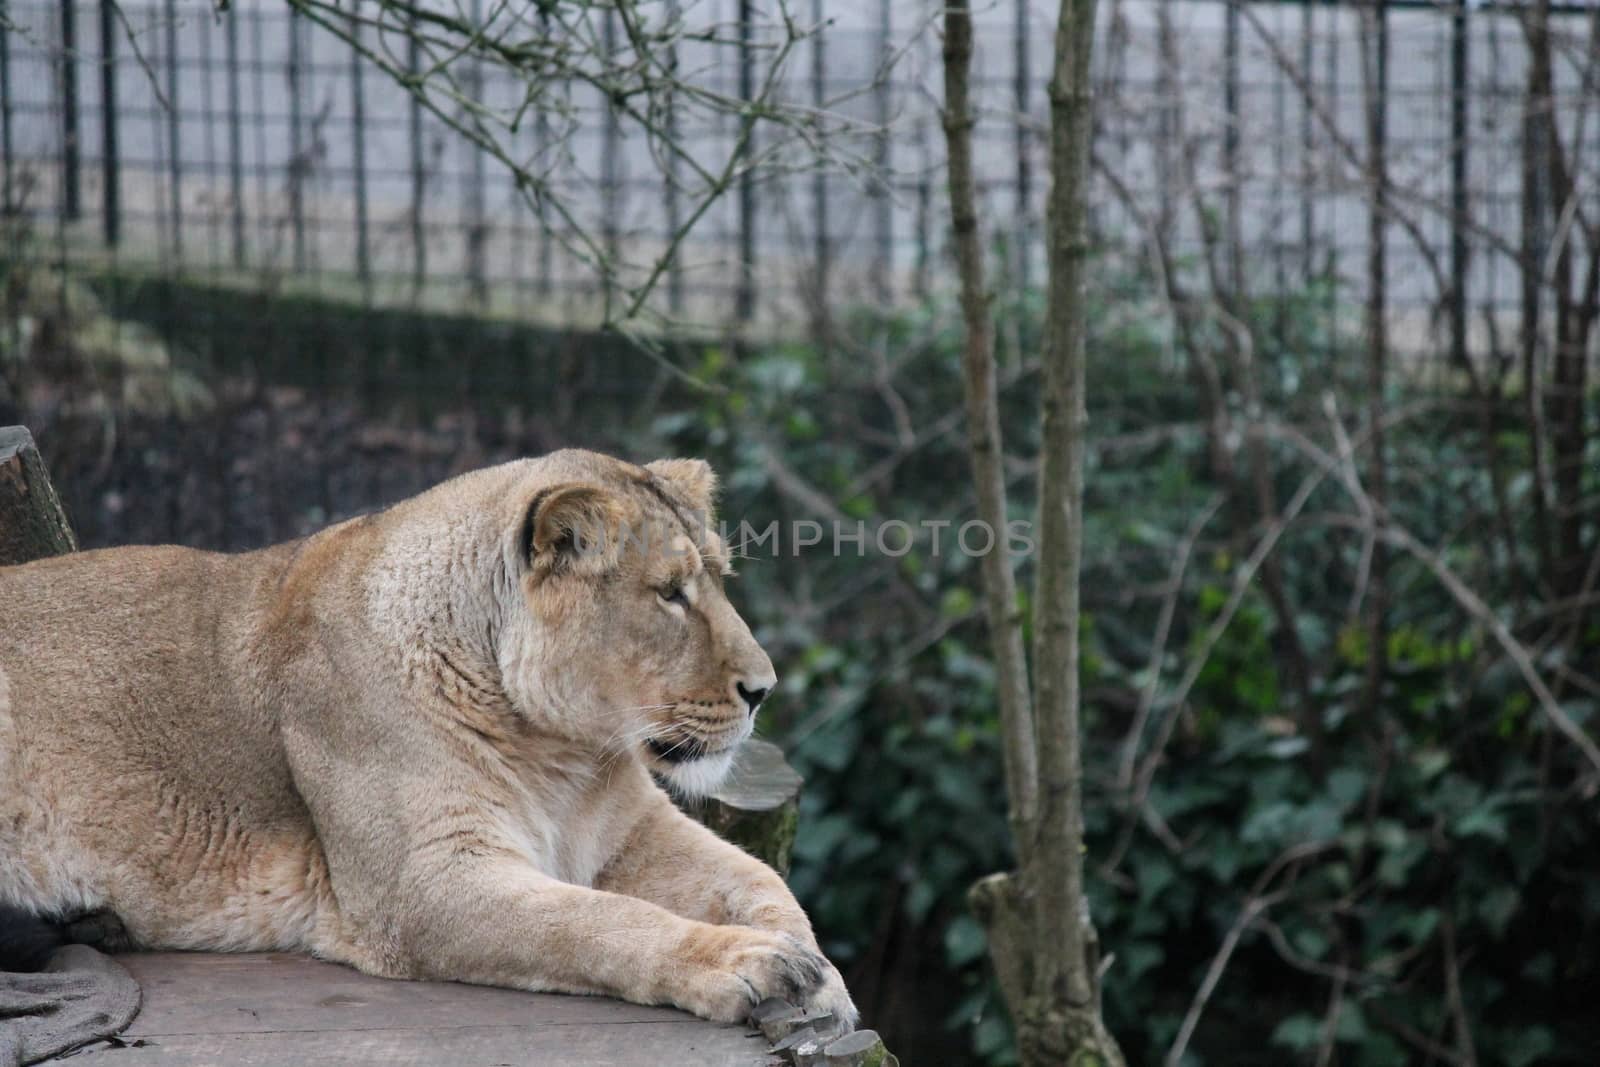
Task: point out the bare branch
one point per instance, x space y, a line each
984 442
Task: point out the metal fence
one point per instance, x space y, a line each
249 147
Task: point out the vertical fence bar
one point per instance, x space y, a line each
674 210
1166 121
174 141
1308 145
260 171
1330 263
1230 148
208 112
1022 91
819 179
358 148
216 514
159 170
110 163
1535 216
609 190
297 160
519 238
267 229
543 283
313 157
169 295
1114 75
884 214
1376 107
214 258
7 205
1280 164
419 178
71 157
235 136
476 231
924 263
1458 183
745 298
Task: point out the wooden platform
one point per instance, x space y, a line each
281 1010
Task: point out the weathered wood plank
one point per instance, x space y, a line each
194 992
33 524
280 1009
636 1045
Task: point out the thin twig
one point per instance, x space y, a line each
1464 596
1452 983
1158 645
1258 902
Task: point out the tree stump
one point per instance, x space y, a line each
810 1039
32 522
758 807
864 1048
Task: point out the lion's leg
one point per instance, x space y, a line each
431 883
673 861
497 921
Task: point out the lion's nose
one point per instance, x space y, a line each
752 697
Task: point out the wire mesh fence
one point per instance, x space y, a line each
249 145
253 205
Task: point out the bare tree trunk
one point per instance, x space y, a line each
1060 530
1040 938
32 522
1568 366
984 443
1061 1023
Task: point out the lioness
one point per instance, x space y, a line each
419 742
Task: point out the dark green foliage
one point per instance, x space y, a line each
1452 817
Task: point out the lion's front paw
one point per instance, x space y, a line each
832 997
737 967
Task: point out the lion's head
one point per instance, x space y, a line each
628 638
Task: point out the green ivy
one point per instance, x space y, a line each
1451 816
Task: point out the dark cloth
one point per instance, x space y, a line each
55 996
82 995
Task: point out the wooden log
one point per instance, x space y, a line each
778 1023
758 808
771 1008
32 522
788 1047
811 1053
861 1049
803 1038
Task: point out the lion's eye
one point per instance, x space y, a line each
674 594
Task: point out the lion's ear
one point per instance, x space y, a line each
569 522
691 479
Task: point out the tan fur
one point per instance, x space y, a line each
419 742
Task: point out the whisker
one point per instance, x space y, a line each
625 737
